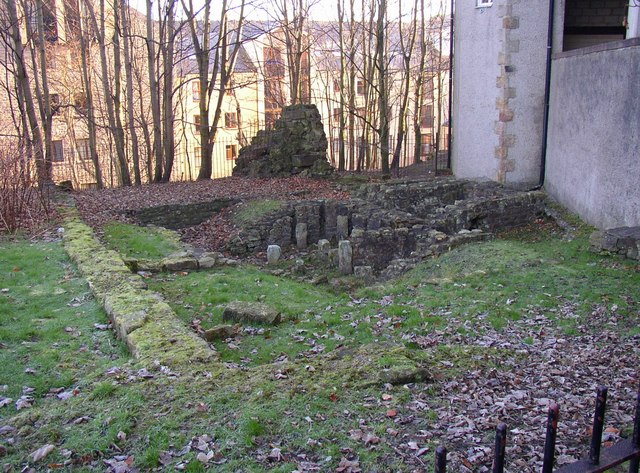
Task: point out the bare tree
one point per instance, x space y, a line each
35 144
128 70
85 41
383 92
214 73
406 50
112 95
168 131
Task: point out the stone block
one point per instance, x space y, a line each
273 254
345 257
323 249
251 312
208 260
301 235
183 263
303 160
363 272
342 230
333 257
220 332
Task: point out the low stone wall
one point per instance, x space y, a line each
624 241
147 324
382 231
178 216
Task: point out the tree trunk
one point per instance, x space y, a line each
383 98
168 128
154 96
22 82
91 123
128 69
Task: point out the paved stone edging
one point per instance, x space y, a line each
147 324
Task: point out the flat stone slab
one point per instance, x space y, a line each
251 312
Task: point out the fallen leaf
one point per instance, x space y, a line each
275 455
392 413
24 402
42 452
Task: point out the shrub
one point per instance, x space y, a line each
23 205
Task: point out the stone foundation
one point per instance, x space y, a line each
624 241
395 225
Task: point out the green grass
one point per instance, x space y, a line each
301 386
140 242
47 318
252 210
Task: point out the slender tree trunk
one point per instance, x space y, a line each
123 164
128 69
22 81
91 123
406 49
42 92
419 89
343 65
154 96
383 97
111 101
168 128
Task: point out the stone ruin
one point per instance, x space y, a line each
296 145
624 241
392 226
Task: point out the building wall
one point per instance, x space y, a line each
499 70
593 158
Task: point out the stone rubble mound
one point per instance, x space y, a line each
296 145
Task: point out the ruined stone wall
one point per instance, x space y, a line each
296 145
179 215
379 228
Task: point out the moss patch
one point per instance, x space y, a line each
147 325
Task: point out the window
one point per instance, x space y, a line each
195 91
336 115
273 63
80 102
54 103
483 3
83 150
425 144
426 116
360 87
58 152
428 88
336 86
197 152
231 120
197 122
232 152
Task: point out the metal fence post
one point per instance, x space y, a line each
550 440
441 460
501 446
634 465
598 425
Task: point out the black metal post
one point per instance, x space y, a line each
441 459
598 425
634 465
550 440
501 446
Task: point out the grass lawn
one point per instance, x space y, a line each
332 388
